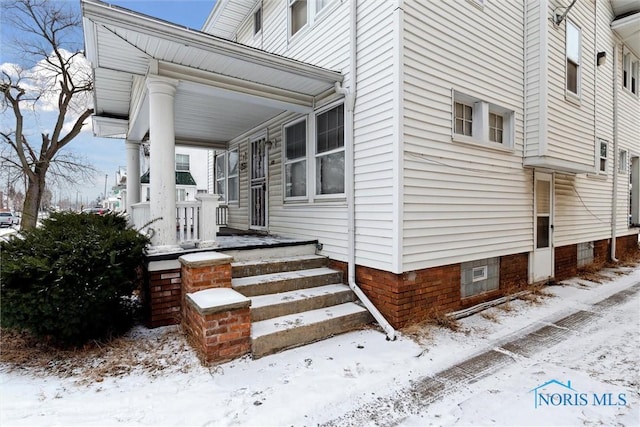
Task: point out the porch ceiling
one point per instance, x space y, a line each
225 89
627 22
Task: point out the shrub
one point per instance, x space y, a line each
73 279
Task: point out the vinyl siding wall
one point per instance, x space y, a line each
584 202
571 132
326 43
535 77
462 202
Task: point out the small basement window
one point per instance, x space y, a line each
478 277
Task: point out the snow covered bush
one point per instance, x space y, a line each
73 279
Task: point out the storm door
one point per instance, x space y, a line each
543 227
258 191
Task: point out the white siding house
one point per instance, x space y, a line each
441 151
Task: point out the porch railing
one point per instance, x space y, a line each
189 219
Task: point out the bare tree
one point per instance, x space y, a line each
59 81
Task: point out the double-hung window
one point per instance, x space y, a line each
257 21
226 173
303 13
221 176
330 151
623 161
602 168
182 162
297 15
630 66
572 49
295 160
496 127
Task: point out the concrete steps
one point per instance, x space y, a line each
295 298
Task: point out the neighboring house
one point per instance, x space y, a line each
441 152
191 169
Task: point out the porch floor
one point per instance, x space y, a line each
231 238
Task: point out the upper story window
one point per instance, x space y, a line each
257 21
464 119
479 121
297 15
295 160
573 58
182 162
330 151
304 13
630 76
496 127
221 175
623 161
603 157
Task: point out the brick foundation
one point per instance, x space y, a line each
413 296
514 271
601 251
566 261
627 245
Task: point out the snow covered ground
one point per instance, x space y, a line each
360 378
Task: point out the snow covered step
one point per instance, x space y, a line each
277 250
274 305
254 267
270 336
274 283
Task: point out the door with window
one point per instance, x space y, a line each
258 191
543 227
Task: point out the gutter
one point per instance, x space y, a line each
614 195
350 97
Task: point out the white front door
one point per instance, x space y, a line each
258 182
542 263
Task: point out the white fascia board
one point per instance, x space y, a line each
557 165
628 30
106 14
214 15
90 42
201 82
109 127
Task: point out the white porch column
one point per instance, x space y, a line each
162 163
133 174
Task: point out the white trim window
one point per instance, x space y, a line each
226 176
602 156
329 151
304 13
496 127
182 162
477 121
572 53
221 176
464 119
630 66
233 180
623 161
297 15
295 160
257 21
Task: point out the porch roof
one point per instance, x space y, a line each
627 22
224 88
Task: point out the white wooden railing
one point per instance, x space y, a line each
196 221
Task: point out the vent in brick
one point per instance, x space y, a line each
479 276
585 253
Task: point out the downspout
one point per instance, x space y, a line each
350 97
614 196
